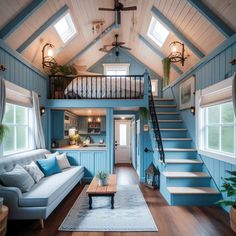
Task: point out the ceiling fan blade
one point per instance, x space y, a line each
134 8
105 9
120 43
125 47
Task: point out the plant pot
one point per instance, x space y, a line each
233 218
102 182
72 142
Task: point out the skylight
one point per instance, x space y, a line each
157 32
65 28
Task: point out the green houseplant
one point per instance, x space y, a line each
72 139
166 71
229 186
102 177
3 130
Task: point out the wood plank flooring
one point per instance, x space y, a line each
170 220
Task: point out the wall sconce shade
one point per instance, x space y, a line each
42 110
47 56
177 52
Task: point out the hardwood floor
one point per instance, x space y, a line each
170 220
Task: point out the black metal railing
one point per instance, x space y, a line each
155 124
96 87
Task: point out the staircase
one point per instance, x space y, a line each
183 179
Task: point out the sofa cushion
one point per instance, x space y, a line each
18 177
49 155
49 166
34 171
49 188
63 161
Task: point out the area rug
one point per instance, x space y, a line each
131 213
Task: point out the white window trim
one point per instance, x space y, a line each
199 116
116 66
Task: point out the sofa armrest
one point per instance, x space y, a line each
11 196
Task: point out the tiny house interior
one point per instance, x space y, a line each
117 117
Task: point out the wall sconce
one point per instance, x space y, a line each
177 52
47 56
145 127
233 62
2 68
89 119
98 119
192 110
42 110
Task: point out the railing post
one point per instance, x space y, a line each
146 87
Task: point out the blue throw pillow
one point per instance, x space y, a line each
49 166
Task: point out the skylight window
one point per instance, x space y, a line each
65 28
157 32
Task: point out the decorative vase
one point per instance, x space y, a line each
102 182
72 142
233 218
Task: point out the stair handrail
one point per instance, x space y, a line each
154 120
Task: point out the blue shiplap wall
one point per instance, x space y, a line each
22 73
210 72
136 67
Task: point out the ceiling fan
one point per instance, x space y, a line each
118 7
115 44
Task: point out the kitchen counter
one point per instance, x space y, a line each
90 147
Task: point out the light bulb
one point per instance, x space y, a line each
50 52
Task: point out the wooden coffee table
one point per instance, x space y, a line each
94 190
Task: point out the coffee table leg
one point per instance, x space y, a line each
112 201
90 202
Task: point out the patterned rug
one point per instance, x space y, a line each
131 213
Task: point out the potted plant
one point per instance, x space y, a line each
77 139
102 177
3 130
72 139
229 186
166 71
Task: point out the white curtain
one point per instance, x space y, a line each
38 129
2 98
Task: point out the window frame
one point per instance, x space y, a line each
202 135
115 67
29 135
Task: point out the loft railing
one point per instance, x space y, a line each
96 87
155 124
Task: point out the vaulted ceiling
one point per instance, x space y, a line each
202 25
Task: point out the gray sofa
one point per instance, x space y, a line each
44 196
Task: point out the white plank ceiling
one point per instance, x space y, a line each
182 14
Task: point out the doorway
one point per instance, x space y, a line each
122 141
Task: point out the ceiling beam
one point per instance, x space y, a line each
103 33
225 29
179 34
20 18
42 28
158 53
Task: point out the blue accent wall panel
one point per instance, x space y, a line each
210 72
136 67
23 74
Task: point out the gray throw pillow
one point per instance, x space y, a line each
34 171
18 177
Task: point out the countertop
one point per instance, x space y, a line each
93 147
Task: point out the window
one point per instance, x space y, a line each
216 122
123 135
220 128
154 87
19 136
116 69
157 32
65 28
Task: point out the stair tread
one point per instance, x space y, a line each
167 113
183 161
185 174
170 129
176 139
163 99
192 190
169 121
166 105
180 149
